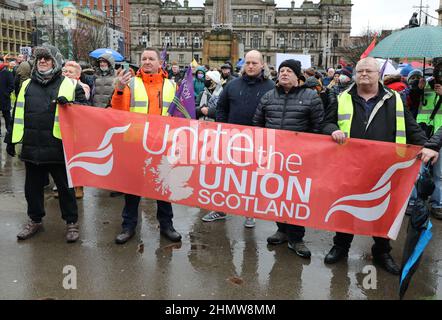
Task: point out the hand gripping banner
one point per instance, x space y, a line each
361 187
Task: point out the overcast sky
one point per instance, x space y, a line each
377 14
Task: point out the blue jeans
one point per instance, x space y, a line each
436 197
130 213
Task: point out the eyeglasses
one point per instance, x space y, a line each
46 57
366 71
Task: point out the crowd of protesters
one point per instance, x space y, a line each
286 98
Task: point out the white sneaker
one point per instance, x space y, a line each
249 223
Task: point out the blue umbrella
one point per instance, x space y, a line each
98 52
419 230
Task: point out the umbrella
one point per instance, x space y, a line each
387 67
98 52
419 230
420 42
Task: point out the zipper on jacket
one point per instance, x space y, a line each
159 103
283 109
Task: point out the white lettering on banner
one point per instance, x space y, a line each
264 191
242 148
259 206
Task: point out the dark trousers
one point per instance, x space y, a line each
381 245
36 178
7 116
130 213
294 233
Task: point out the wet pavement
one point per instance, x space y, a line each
218 260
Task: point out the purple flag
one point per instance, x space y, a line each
163 57
384 66
183 104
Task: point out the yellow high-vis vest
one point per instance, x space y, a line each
345 115
139 100
67 89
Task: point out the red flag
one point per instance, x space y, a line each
342 62
370 47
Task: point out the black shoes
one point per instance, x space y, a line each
277 238
386 262
336 253
300 249
124 236
171 234
114 194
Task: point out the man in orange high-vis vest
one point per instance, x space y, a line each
149 92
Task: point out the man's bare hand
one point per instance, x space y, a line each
427 154
338 136
123 79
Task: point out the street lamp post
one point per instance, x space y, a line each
53 24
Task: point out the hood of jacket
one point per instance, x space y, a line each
57 59
108 57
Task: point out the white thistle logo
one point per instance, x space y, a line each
171 178
104 150
377 192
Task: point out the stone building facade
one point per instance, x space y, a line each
318 29
16 27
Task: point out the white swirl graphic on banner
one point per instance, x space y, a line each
382 187
104 150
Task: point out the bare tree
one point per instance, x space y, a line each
87 38
359 44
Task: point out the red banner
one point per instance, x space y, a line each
360 187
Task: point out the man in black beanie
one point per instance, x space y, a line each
295 108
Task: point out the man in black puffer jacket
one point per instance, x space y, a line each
37 127
295 108
238 102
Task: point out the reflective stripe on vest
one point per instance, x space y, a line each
345 116
67 89
18 128
426 109
139 100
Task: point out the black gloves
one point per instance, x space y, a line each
10 149
62 100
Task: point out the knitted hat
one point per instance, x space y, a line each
345 72
415 72
406 70
295 65
215 76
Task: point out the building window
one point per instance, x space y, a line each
181 58
239 18
307 41
144 18
336 42
182 41
256 41
256 19
269 19
167 40
336 17
269 43
196 41
144 39
281 41
268 59
297 42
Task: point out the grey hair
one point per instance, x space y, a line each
369 59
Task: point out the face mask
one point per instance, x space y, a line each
344 79
46 72
200 76
208 83
104 69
